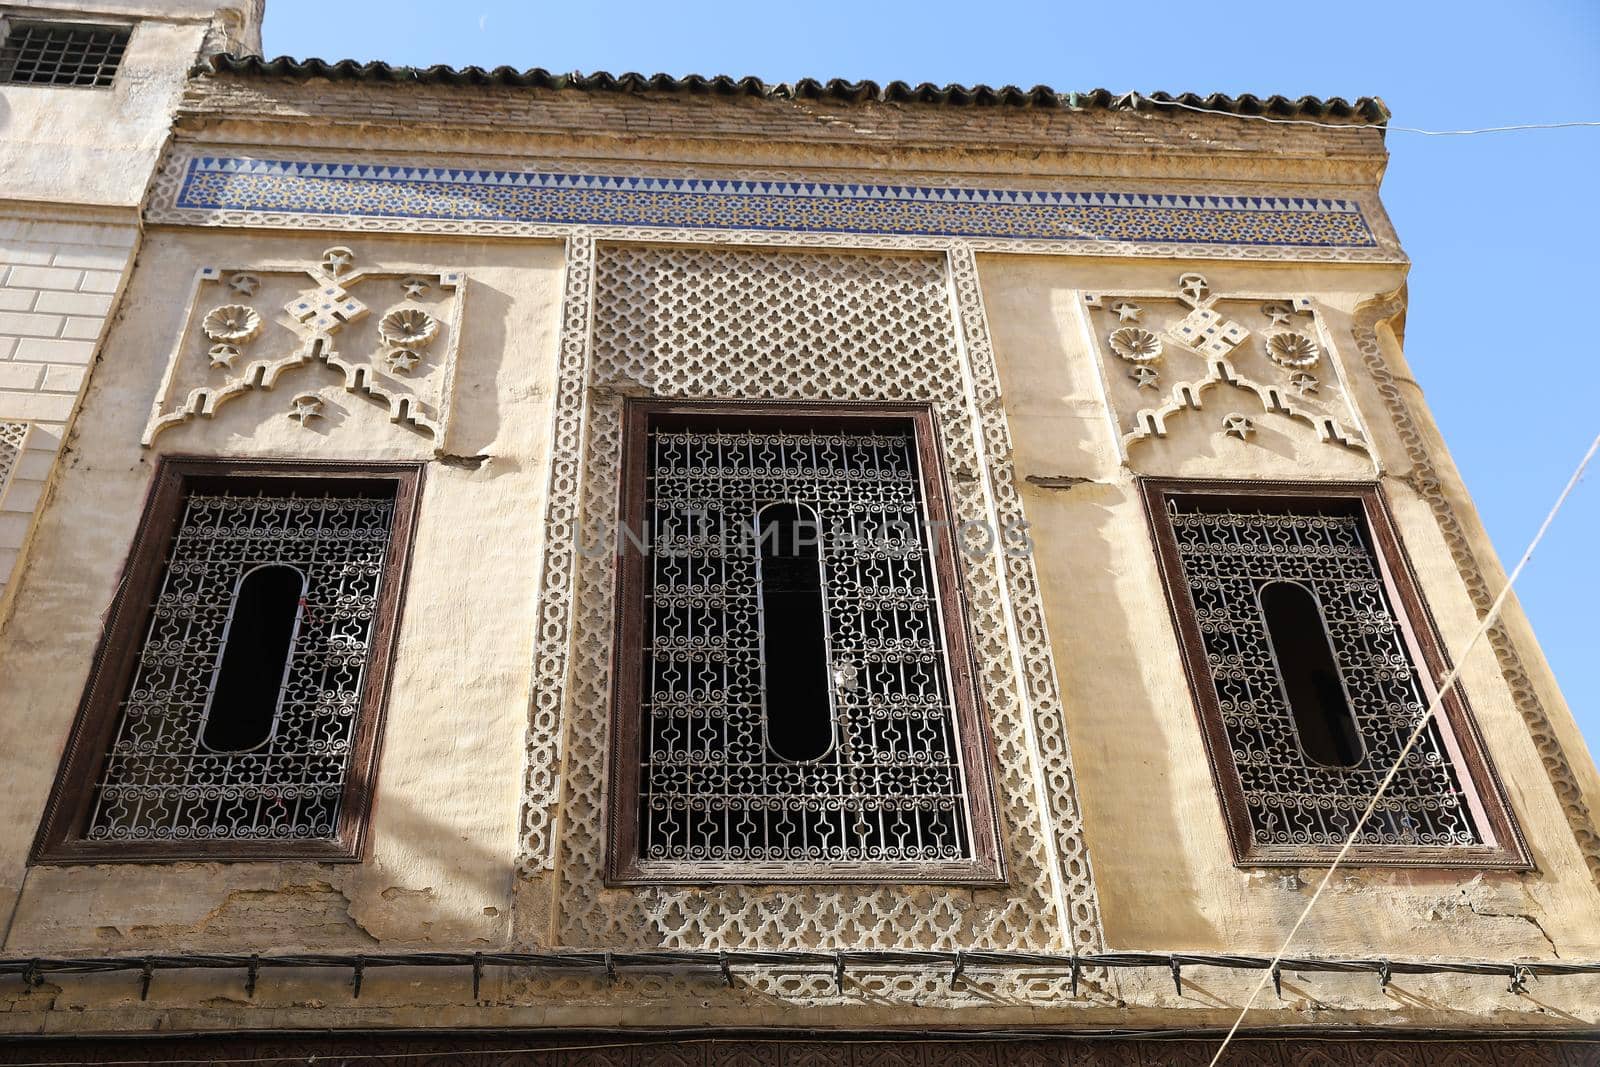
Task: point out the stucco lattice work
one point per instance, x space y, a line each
746 324
1425 479
12 435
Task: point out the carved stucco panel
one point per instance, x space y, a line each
1169 356
389 337
676 321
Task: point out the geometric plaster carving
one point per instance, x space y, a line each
1482 586
696 322
321 326
1237 425
1197 336
408 327
232 323
1135 345
305 407
1287 348
13 435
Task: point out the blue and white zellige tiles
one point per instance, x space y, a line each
223 185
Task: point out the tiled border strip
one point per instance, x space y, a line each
239 190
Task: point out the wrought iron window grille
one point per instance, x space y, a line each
61 53
1310 655
233 708
786 706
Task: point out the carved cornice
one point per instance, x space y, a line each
1161 143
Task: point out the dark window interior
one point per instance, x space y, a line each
255 658
61 53
1309 673
794 653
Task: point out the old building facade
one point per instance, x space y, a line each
398 662
89 100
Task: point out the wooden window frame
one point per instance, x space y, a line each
60 837
623 865
1503 847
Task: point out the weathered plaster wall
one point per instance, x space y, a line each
448 797
74 166
1135 736
69 145
442 872
442 869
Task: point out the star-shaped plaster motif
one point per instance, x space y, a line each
1146 377
1305 384
222 356
1126 311
306 407
244 284
1279 313
403 360
1195 287
1239 426
414 287
337 260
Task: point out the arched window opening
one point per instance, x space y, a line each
796 695
255 659
1309 673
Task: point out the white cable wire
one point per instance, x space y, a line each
1136 97
1445 686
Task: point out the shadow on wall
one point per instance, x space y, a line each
1126 728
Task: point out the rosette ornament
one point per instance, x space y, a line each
409 328
1287 348
231 324
1135 344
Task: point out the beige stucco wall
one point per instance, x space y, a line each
441 873
1162 860
445 837
58 279
448 796
70 145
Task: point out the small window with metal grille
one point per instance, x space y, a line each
1311 659
61 53
792 698
234 707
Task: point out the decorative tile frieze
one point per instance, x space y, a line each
239 190
247 329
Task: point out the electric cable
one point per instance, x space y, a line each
1489 619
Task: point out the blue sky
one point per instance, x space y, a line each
1499 227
